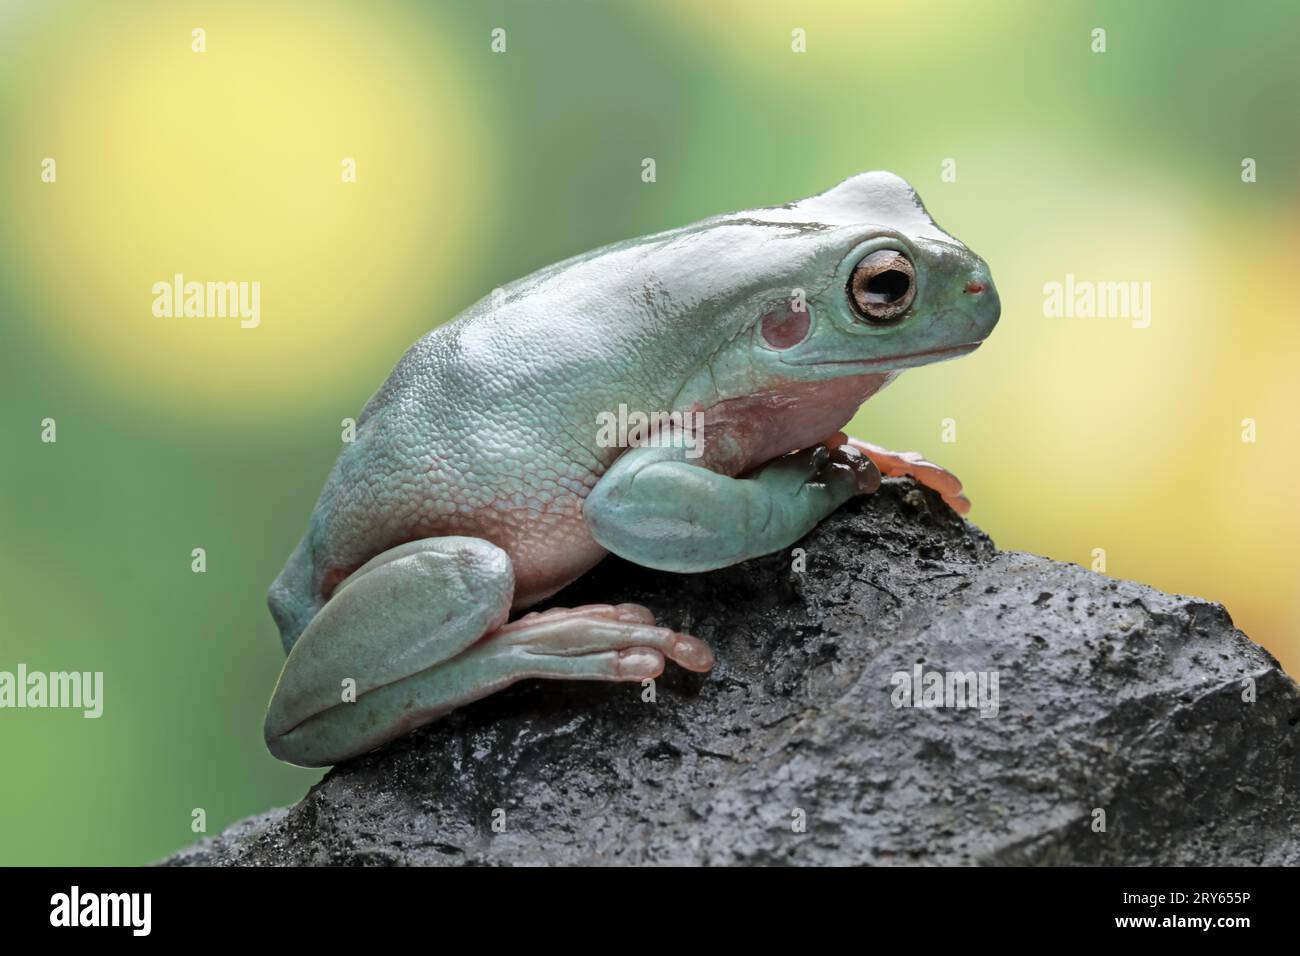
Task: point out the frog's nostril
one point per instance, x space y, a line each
974 288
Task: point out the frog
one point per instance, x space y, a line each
482 478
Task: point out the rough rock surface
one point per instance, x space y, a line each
1112 697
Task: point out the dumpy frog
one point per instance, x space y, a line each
483 479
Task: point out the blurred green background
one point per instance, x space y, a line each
474 168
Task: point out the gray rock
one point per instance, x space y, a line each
1112 697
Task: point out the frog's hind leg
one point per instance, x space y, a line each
420 630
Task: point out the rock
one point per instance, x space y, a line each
1112 698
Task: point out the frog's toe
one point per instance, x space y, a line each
958 503
631 613
935 477
690 653
911 464
628 664
635 613
595 629
638 663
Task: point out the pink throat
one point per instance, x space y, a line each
742 433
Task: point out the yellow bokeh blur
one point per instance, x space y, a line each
228 164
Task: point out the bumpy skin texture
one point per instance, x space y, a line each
488 429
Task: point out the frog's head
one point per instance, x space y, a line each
886 289
818 304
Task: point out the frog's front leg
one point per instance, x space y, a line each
420 630
909 464
656 509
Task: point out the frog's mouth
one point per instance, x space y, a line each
926 355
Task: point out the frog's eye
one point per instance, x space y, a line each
882 286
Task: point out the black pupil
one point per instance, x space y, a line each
886 288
